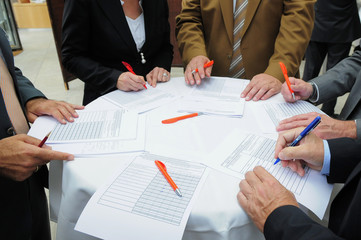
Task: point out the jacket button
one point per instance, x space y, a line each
11 131
229 56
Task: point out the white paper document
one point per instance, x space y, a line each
138 203
220 88
96 125
216 107
141 101
241 152
279 111
96 148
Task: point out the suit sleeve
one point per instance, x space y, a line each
165 56
341 77
189 31
289 222
293 37
75 48
27 90
345 155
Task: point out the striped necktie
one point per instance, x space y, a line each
236 69
12 103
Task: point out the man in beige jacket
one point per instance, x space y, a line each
273 31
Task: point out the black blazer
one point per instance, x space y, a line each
17 200
336 21
289 222
96 39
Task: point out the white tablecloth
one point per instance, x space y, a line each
216 214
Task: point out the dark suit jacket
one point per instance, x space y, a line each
20 202
96 39
289 222
336 21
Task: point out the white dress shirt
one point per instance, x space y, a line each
137 28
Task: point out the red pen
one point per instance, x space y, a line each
284 70
130 69
208 64
44 140
176 119
163 170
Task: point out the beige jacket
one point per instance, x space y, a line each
274 30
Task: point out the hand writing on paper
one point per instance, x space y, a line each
309 151
128 81
302 90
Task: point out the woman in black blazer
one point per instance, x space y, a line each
97 38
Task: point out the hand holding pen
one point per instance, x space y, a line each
198 68
303 134
129 81
284 71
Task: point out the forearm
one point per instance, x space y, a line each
289 222
292 40
27 89
344 158
189 31
342 78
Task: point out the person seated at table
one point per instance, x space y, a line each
23 171
99 35
274 209
345 77
246 39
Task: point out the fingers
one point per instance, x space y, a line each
195 77
284 139
301 120
46 155
262 86
296 166
157 75
127 81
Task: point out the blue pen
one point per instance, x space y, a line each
303 134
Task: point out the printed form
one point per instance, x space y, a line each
279 111
139 195
241 152
96 125
220 88
141 101
217 96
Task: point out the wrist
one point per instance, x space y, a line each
312 92
349 129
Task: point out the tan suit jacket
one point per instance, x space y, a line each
274 30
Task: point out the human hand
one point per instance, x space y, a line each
20 156
197 62
327 129
302 90
58 109
262 86
260 194
309 151
128 81
157 75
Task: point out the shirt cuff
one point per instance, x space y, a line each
326 159
315 94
